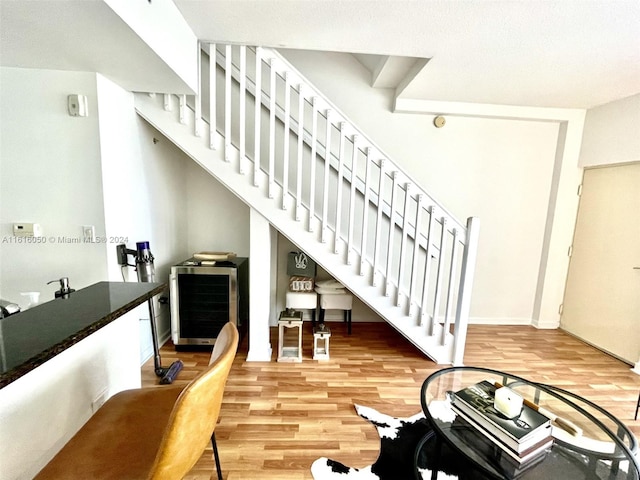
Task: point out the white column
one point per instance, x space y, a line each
636 368
563 207
260 255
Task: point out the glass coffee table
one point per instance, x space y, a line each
605 449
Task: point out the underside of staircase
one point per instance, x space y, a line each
271 138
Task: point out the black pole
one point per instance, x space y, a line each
157 362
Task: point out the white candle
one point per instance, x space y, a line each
507 402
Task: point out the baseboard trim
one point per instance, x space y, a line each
546 325
499 321
259 355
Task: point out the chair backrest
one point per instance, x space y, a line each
195 413
220 344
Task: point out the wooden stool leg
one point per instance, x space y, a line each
216 456
347 318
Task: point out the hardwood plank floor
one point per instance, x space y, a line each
277 418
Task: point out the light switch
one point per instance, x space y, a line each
89 233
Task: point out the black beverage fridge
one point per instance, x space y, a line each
205 297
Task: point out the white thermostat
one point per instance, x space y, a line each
27 230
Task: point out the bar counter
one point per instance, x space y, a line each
29 339
61 360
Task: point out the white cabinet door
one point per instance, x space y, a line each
602 297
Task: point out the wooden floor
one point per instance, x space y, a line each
277 418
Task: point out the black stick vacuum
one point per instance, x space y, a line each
146 273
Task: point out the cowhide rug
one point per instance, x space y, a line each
399 438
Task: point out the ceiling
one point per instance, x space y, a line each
552 53
81 35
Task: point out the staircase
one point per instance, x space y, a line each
270 137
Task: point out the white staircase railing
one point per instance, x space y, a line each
357 213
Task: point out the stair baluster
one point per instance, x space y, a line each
227 103
338 222
325 185
314 160
352 198
197 124
438 289
213 129
415 256
424 310
392 234
182 109
243 109
286 139
365 211
300 154
257 116
403 242
379 212
272 126
449 303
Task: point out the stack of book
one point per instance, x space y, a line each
515 443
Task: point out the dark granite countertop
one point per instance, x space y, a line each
30 338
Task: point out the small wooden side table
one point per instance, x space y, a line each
288 349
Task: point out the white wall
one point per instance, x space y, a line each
162 27
217 220
497 169
262 250
612 133
103 170
43 409
144 192
49 174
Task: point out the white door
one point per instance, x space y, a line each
602 297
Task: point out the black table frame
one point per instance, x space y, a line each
625 442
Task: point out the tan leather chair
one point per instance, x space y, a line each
150 433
